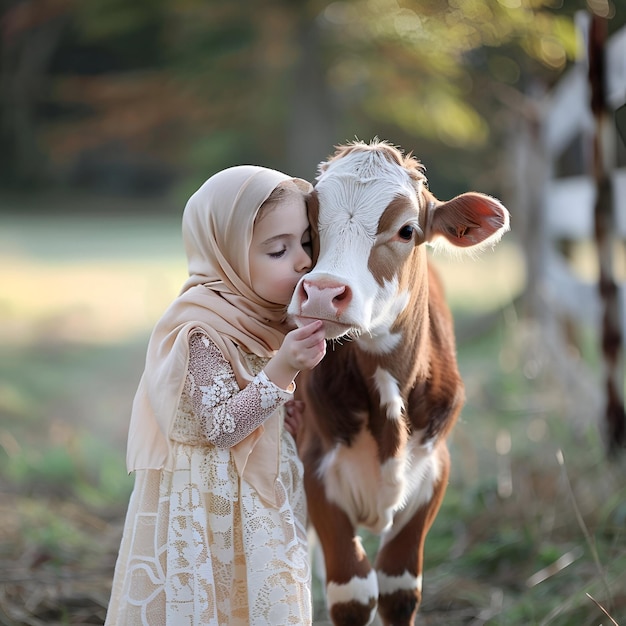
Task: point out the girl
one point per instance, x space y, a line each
215 530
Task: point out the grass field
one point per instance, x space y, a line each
533 527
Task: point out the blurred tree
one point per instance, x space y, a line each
30 37
132 96
442 74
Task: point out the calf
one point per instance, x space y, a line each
380 405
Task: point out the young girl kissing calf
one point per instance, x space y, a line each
215 530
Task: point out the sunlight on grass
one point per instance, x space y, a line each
486 283
94 279
92 301
105 283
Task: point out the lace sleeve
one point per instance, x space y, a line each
226 413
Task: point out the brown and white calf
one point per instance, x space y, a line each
379 406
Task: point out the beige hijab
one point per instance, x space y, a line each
217 231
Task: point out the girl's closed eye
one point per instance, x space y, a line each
278 254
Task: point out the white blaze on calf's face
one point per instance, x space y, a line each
353 193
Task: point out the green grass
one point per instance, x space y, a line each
511 509
56 409
522 510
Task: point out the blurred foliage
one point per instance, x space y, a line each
137 97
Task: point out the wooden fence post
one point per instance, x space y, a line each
604 146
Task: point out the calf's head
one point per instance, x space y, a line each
372 213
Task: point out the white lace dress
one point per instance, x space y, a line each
200 547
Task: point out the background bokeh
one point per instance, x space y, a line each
112 113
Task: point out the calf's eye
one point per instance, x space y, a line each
406 233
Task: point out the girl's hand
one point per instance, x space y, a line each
302 349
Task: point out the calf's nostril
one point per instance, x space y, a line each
340 295
342 299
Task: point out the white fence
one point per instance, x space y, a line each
569 202
571 210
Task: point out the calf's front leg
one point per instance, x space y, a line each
351 584
400 559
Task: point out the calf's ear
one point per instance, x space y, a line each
467 221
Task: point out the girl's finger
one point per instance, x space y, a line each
308 330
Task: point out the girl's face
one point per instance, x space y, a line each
280 251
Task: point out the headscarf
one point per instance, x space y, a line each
217 297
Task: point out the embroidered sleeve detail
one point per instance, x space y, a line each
226 414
